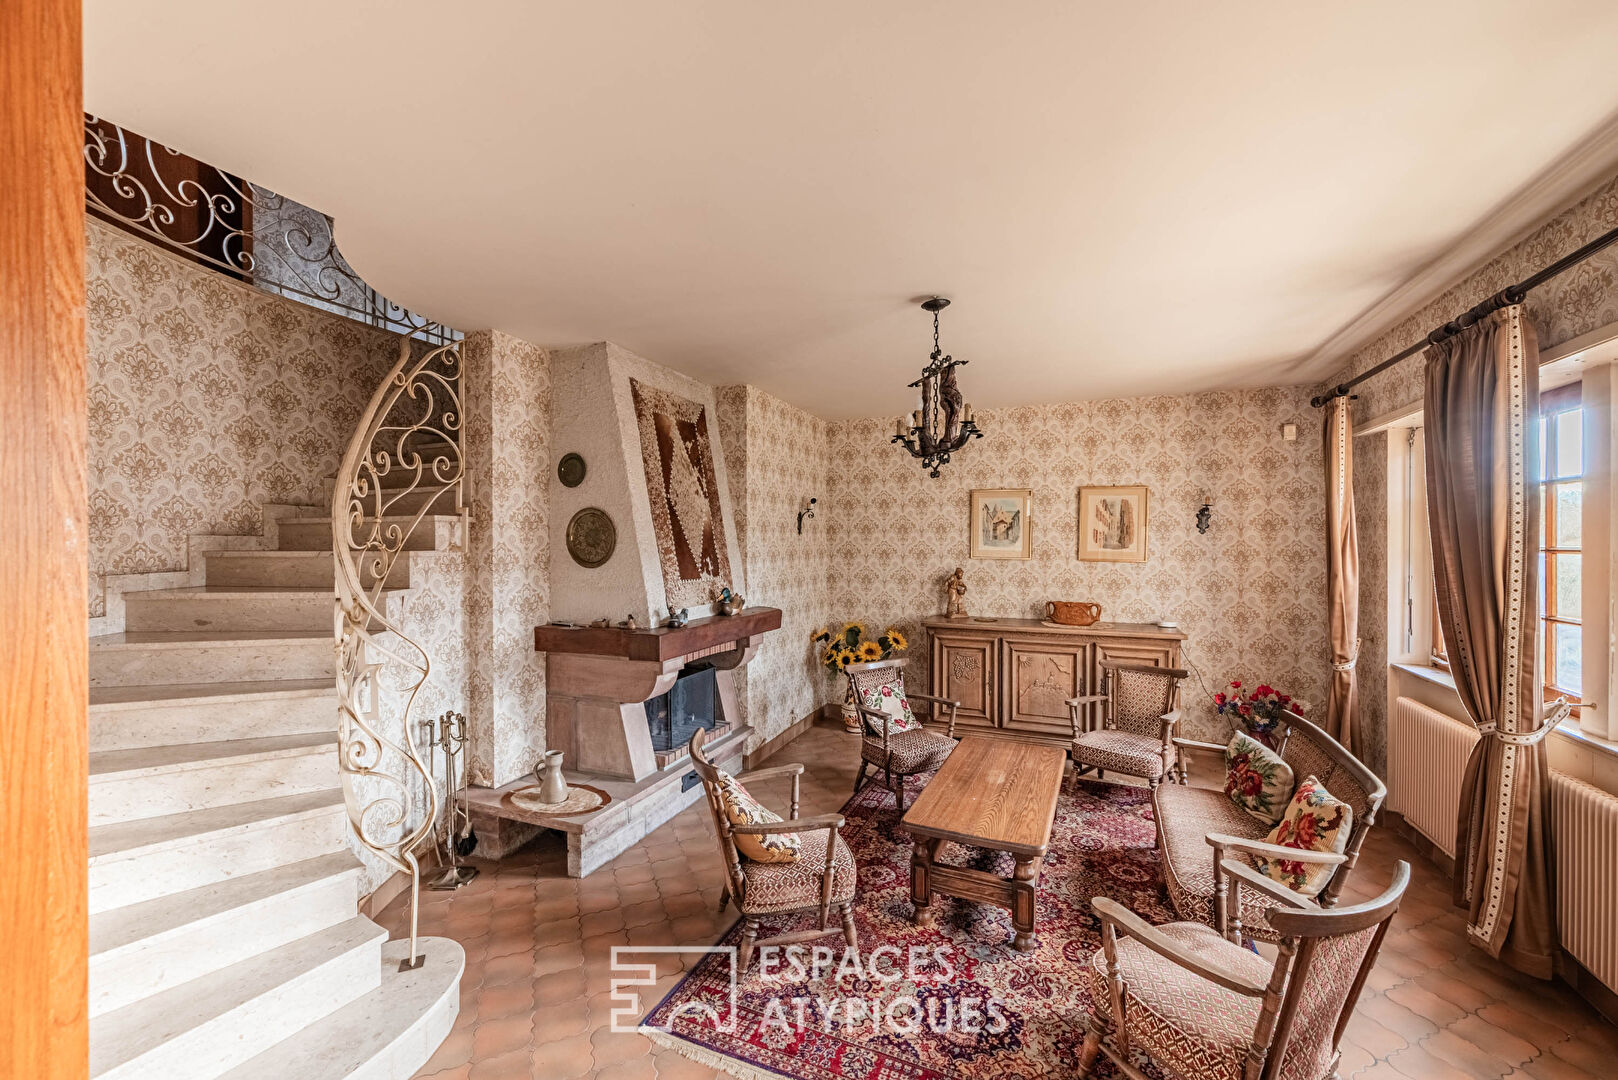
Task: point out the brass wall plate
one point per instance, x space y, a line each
591 537
570 470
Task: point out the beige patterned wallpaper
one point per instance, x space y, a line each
507 384
1583 299
207 399
1249 593
778 457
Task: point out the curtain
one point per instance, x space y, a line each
1482 400
1342 574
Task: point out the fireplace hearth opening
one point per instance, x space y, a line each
691 703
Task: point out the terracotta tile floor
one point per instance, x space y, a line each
534 1001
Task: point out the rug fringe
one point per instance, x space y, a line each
714 1059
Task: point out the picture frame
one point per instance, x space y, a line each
1001 524
1113 523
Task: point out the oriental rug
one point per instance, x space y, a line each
951 1002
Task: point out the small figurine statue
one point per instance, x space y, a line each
729 603
955 606
679 618
629 622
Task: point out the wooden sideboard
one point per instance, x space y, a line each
1013 676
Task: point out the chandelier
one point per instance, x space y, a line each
943 424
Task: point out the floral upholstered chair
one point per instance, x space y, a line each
775 867
892 740
1203 1008
1135 732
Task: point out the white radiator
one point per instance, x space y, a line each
1427 753
1584 823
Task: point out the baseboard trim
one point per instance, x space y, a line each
396 885
1430 851
827 713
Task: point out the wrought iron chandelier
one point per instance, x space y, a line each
943 424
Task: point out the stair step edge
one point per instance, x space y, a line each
124 839
109 765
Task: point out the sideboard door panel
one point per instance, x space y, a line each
964 669
1039 678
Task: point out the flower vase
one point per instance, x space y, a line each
552 784
851 715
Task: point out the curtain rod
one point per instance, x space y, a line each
1511 294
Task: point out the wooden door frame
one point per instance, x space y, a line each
43 556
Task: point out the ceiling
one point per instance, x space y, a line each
1120 198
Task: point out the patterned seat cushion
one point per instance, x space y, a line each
914 751
1186 815
1122 751
792 886
1189 1026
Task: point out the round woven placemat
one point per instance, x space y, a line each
581 799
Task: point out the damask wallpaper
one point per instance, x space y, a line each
1249 593
207 399
507 386
778 457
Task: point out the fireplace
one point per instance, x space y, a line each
691 703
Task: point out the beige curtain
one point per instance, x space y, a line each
1482 400
1342 574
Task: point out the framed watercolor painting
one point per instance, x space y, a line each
1001 524
1112 524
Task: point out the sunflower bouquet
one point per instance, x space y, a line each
851 646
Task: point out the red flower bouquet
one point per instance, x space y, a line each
1259 711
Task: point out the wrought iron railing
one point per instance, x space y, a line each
239 228
404 463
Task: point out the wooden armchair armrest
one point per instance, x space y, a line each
808 824
951 702
1221 841
1117 916
793 770
1075 704
771 772
1193 744
1268 886
881 719
1086 699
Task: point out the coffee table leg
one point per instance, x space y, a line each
921 891
1024 880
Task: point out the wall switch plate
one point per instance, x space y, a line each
1289 432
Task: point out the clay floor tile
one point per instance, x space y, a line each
1355 1058
1551 1066
562 1021
459 1072
674 885
599 947
499 1002
454 1052
612 1047
1587 1053
493 1038
1543 1034
1426 1005
563 1059
640 1068
639 913
560 987
638 874
1396 1018
513 967
1448 986
1470 1057
1377 1039
562 957
688 903
602 922
556 907
1417 1064
597 900
558 931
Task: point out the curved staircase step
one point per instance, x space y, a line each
126 717
153 781
136 658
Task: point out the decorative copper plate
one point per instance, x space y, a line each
591 537
570 470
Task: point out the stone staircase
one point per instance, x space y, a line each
224 938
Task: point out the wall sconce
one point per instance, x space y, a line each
808 511
1205 514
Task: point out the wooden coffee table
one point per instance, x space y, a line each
991 793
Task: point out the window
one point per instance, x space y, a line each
1561 577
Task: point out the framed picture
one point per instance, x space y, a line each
1112 524
1001 525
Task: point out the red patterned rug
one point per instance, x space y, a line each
954 1001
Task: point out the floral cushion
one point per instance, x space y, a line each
889 698
1314 821
742 809
1256 779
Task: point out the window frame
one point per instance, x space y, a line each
1553 403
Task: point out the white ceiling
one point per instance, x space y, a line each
1120 198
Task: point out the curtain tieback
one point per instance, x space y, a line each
1348 665
1558 710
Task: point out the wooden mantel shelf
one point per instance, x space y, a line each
659 643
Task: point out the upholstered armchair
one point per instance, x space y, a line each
820 878
892 740
1203 1008
1135 732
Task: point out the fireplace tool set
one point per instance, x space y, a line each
448 734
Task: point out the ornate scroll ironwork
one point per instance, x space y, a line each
239 228
405 462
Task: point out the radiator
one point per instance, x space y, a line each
1584 823
1427 753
